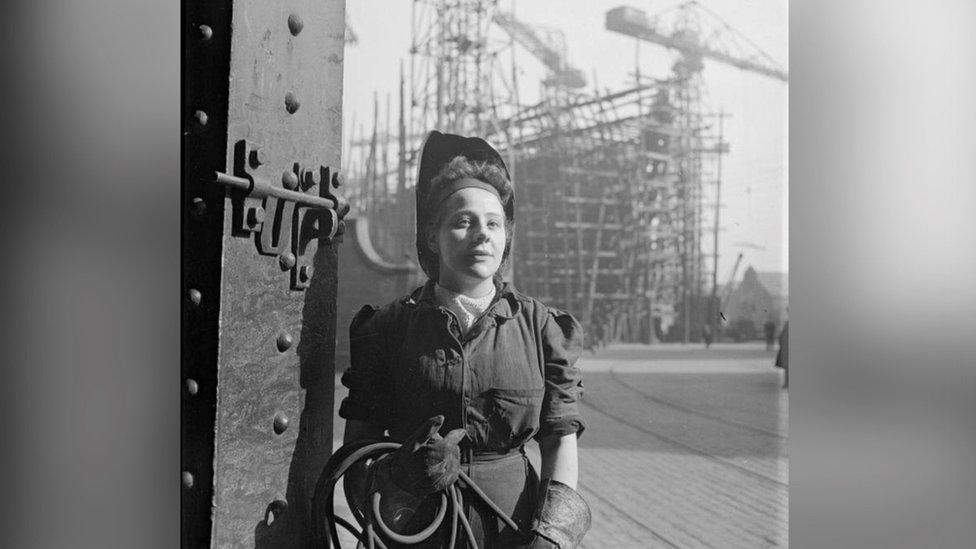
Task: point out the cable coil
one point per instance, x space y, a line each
323 505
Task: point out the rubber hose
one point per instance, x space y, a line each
323 505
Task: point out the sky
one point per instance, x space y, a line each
754 214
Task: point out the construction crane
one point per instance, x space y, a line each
563 75
698 34
727 291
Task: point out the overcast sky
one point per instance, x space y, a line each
754 173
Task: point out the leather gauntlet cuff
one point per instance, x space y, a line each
562 516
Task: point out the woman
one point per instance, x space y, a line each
490 364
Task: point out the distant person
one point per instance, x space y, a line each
769 328
707 335
783 356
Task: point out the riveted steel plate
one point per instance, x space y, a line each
273 427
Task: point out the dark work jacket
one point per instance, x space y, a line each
512 377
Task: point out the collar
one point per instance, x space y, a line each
505 305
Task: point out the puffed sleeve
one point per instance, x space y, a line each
370 394
562 341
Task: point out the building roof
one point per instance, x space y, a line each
777 284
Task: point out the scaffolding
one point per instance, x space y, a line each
457 80
610 209
614 189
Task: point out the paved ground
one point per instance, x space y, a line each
685 447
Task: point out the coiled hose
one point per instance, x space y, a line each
325 521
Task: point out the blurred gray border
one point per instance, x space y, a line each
882 261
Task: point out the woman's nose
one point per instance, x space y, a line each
480 235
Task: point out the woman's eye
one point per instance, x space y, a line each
494 224
463 222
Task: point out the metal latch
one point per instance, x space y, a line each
285 218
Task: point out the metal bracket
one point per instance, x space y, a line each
286 216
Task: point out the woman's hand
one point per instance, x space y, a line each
427 462
560 460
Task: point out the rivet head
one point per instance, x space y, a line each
201 117
187 479
286 260
192 387
195 296
340 228
199 207
295 24
280 423
284 341
255 215
305 273
291 103
338 179
289 180
206 32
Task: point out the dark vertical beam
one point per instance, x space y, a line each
205 65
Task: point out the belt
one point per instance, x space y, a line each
468 457
491 457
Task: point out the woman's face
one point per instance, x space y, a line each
470 239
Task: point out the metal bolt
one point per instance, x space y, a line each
206 32
195 296
338 179
201 117
187 478
291 103
280 423
258 157
289 180
305 273
308 179
199 207
295 24
255 216
284 341
286 260
192 387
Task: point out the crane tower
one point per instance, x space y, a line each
697 34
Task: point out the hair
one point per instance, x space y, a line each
461 168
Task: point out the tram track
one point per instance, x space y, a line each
623 512
708 455
706 415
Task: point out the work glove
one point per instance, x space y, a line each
561 517
426 464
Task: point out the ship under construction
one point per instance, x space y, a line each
618 192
